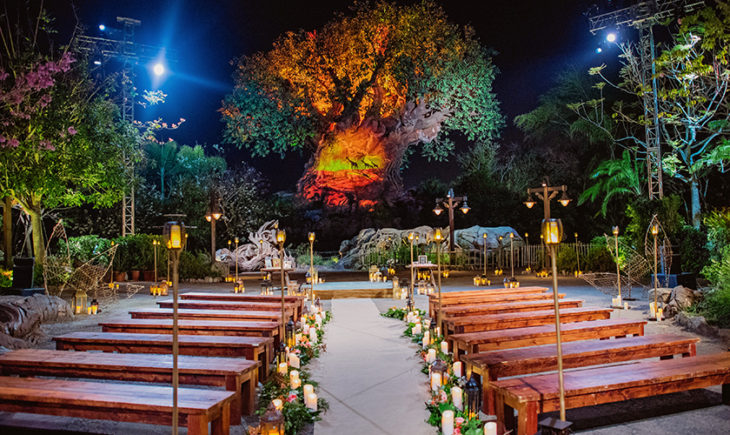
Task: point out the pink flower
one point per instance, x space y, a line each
457 430
292 397
47 145
458 421
72 131
13 143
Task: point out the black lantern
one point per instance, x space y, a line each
290 341
441 368
432 328
174 232
94 306
272 422
473 391
282 352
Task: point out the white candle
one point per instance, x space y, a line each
652 309
626 305
447 422
426 339
305 329
490 428
297 338
283 367
456 369
294 361
416 329
296 383
311 401
445 347
437 332
659 314
278 404
431 356
457 397
318 319
313 335
294 374
307 389
435 381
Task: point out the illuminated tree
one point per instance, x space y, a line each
362 93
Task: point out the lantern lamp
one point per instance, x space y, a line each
272 422
174 232
437 210
465 207
282 352
441 368
80 302
280 236
530 202
552 231
473 391
615 230
437 236
311 237
654 230
564 200
94 306
290 339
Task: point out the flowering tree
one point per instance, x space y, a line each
61 142
360 94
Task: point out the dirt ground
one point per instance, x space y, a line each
699 411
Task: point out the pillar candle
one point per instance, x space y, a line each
278 404
305 329
416 329
313 335
437 332
456 369
296 383
307 389
490 428
626 305
447 422
283 367
435 381
311 401
293 360
426 339
652 310
659 314
445 347
457 396
431 356
294 374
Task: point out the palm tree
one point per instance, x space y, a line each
614 178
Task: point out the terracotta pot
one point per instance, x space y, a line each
120 276
134 275
148 275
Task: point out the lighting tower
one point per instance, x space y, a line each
643 16
120 45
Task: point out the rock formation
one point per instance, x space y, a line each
251 255
21 317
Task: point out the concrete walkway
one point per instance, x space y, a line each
370 375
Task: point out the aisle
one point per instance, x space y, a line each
370 375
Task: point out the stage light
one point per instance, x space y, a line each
611 37
102 27
158 69
599 50
97 62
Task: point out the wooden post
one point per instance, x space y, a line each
175 331
561 386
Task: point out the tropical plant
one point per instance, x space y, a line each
614 178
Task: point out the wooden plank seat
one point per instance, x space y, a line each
118 402
195 327
166 313
497 364
531 395
473 342
253 348
473 296
509 307
296 302
234 374
458 325
227 305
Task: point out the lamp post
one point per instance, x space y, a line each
618 268
552 231
542 246
175 239
655 233
546 193
484 242
512 255
155 244
451 202
311 265
438 238
411 239
527 253
213 215
235 257
577 254
280 239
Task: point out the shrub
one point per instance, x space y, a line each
84 248
599 259
195 265
567 260
693 254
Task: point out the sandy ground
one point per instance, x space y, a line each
699 411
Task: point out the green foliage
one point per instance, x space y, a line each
85 248
717 223
693 253
599 259
567 259
6 278
641 211
614 178
716 304
195 265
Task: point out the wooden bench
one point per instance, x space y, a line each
531 395
119 402
296 302
497 364
473 296
510 307
234 374
458 325
166 313
253 348
195 327
473 342
228 305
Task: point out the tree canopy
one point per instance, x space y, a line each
359 91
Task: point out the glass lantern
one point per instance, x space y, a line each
290 339
272 422
80 302
473 391
441 368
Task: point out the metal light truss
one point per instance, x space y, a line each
643 16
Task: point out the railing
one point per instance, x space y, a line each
524 255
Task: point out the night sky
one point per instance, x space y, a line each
535 40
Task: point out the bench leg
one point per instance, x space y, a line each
663 357
197 424
726 394
233 383
527 419
222 424
692 350
504 413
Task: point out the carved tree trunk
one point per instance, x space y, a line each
357 163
